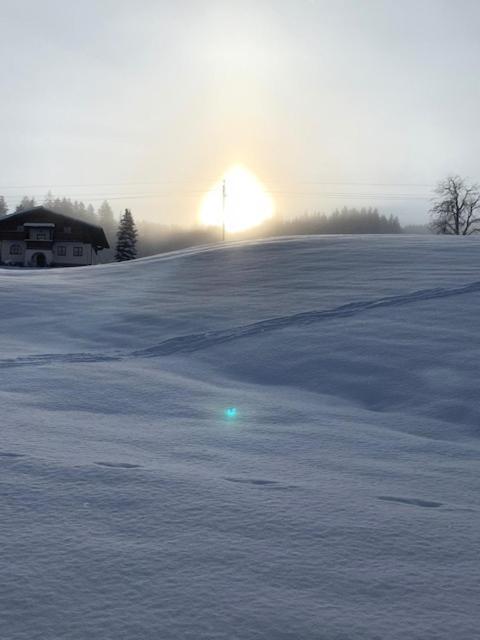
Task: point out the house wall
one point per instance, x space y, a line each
5 256
51 254
30 253
69 260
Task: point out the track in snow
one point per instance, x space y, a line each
198 341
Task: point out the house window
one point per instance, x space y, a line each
15 249
78 251
41 235
61 251
20 227
67 229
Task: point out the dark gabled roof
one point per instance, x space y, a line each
92 233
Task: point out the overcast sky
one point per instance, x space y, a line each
156 99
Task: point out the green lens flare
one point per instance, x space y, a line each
231 412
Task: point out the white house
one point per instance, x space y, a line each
40 237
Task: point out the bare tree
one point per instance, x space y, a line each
456 207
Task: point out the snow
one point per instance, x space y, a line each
340 502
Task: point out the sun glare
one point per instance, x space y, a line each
245 203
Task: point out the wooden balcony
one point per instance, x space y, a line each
39 244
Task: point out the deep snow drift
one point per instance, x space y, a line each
342 501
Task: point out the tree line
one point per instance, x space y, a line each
158 238
346 220
455 210
103 216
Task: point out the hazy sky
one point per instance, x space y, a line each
156 99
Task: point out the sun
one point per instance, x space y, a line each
246 203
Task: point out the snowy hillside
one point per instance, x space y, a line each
340 502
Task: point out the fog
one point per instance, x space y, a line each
147 104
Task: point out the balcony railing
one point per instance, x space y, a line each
39 244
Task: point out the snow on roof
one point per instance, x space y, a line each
38 224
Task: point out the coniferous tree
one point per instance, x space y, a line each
76 209
91 215
3 207
105 215
49 201
126 248
25 204
80 210
107 221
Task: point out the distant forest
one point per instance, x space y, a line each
158 238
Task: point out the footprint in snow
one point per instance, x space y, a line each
416 502
118 465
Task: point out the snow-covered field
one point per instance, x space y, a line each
342 502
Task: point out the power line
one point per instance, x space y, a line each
289 191
173 194
53 186
288 194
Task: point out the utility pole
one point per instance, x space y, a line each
224 197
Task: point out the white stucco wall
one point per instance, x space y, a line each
5 256
30 253
69 258
51 255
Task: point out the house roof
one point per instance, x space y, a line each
91 233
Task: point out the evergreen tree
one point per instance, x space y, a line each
3 207
105 214
25 204
109 224
91 213
107 221
126 248
79 210
76 209
49 201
